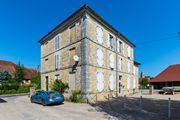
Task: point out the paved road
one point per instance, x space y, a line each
20 108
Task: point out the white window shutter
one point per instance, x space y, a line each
120 64
100 81
118 46
111 82
100 57
108 40
129 52
134 83
123 48
111 59
99 34
134 70
128 82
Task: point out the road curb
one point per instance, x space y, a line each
12 95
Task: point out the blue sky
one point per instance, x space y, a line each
152 25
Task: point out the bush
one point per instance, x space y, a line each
23 90
9 85
59 86
76 96
36 81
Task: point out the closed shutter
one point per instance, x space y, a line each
108 40
120 64
128 82
134 83
100 57
99 33
118 47
128 67
134 70
100 81
111 81
111 59
129 52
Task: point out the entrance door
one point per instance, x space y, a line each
47 83
120 84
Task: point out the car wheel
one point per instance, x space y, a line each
31 100
43 103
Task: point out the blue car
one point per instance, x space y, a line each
47 97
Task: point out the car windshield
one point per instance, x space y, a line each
53 92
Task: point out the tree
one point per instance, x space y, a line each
36 80
19 73
144 82
4 75
60 86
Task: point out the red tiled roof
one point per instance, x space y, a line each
172 73
11 67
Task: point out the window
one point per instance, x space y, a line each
72 34
128 66
120 64
119 46
99 34
111 60
134 70
111 39
57 43
128 82
72 54
129 52
100 57
56 61
100 81
134 83
111 81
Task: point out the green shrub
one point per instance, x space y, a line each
9 85
76 96
60 86
36 81
23 90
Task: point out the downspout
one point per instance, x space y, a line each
116 68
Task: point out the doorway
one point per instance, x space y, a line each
120 84
47 83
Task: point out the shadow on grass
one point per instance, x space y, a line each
2 101
129 109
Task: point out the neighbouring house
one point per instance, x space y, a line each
90 55
10 67
167 78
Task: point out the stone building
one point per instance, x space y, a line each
90 55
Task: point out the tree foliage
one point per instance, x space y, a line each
19 73
60 86
36 81
4 75
144 82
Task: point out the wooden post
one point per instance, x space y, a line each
169 109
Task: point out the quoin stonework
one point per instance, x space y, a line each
90 55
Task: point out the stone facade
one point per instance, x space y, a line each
106 64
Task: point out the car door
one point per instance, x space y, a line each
35 97
39 97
